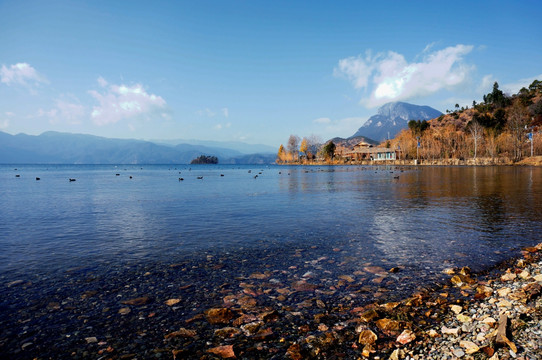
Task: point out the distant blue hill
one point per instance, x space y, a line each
64 148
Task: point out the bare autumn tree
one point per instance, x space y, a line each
476 131
293 145
313 142
518 119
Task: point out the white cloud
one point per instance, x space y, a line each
339 127
222 126
206 112
486 85
20 74
212 113
70 112
390 77
119 102
515 87
102 81
322 121
4 124
67 109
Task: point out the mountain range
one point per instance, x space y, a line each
392 118
64 148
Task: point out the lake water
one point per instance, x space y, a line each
426 218
319 224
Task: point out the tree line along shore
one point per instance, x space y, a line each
501 130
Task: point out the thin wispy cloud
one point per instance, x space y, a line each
4 119
515 87
225 112
206 113
337 127
486 84
67 110
20 74
388 76
210 113
118 102
222 126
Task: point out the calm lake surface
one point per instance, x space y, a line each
426 219
255 238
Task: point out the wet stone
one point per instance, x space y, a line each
137 301
219 315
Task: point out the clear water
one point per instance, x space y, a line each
425 220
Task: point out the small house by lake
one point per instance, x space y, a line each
365 151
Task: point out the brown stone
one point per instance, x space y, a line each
125 311
251 328
224 351
489 351
406 337
532 291
182 332
367 337
367 351
502 338
369 315
347 278
294 352
269 315
137 301
387 325
172 302
377 270
389 306
218 315
227 332
259 276
303 286
263 334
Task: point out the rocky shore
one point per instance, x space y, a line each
158 313
497 316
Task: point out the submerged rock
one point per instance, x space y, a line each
219 315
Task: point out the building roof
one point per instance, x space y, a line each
370 150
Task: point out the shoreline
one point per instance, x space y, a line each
528 161
496 315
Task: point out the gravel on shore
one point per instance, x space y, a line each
497 316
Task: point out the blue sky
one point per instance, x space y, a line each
252 71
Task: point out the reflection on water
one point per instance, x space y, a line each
423 219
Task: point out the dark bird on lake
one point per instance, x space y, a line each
17 175
221 174
72 179
200 177
38 179
181 179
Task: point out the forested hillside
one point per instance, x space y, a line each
500 126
